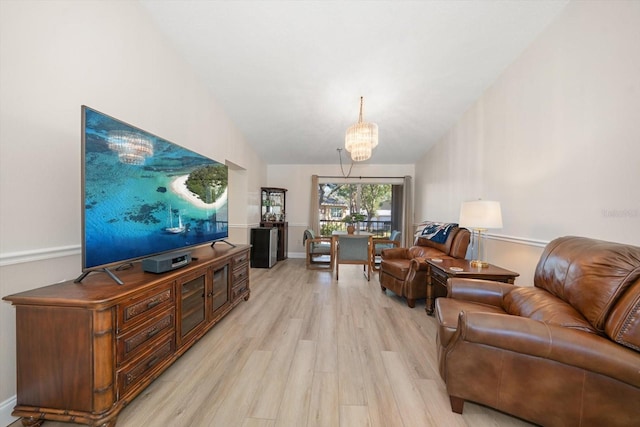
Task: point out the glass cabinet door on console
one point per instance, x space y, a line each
219 290
191 294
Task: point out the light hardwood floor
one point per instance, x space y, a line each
306 350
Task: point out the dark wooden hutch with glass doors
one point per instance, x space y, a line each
274 203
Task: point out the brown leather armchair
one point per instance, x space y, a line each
401 269
564 352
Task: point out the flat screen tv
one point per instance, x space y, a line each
143 195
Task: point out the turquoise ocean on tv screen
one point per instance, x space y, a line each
137 210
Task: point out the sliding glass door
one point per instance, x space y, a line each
380 204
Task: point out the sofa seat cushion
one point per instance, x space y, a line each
538 304
447 313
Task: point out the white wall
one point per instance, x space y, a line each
297 180
56 56
556 140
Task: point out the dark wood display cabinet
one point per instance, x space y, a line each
84 350
274 203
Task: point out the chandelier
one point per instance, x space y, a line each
132 148
361 138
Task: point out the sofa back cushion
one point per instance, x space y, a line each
455 245
589 274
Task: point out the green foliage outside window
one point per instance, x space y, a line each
327 228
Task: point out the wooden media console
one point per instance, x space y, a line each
84 350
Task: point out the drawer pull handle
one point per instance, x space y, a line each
153 303
152 332
152 362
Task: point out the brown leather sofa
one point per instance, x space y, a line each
565 352
402 272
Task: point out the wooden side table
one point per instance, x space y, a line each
442 269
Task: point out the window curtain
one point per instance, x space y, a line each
314 215
407 213
397 207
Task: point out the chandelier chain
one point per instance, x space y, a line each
341 169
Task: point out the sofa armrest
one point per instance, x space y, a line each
415 265
564 345
478 290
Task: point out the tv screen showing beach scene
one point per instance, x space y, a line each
144 195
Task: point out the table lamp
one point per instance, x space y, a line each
479 216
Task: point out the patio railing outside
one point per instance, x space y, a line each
378 228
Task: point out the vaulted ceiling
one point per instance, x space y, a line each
290 73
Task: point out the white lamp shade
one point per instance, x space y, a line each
480 214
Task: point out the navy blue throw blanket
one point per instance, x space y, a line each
437 232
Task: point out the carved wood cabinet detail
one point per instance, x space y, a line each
84 350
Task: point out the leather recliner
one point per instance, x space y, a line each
401 269
564 352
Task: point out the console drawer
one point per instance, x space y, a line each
240 259
141 338
144 306
141 370
238 290
240 274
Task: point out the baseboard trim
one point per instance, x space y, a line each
5 411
